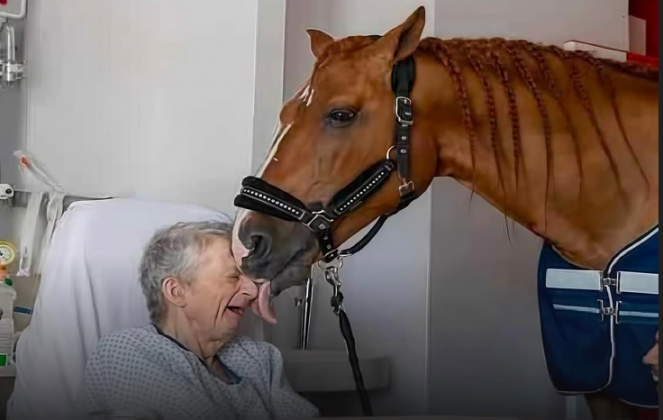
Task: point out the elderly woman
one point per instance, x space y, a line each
189 364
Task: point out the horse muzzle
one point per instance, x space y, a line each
267 248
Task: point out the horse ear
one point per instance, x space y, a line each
319 41
402 41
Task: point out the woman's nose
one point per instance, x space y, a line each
248 287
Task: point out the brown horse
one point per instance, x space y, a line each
563 143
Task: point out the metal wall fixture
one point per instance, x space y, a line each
11 70
13 198
307 309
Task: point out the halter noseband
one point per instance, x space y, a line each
260 196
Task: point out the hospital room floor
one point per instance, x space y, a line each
6 388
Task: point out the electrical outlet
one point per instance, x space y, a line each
12 9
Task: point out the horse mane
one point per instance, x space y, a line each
518 59
511 60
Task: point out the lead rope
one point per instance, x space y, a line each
402 83
332 277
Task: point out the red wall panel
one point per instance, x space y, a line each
647 10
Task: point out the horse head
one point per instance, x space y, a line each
339 123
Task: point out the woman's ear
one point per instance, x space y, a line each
174 291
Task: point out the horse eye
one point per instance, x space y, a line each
341 118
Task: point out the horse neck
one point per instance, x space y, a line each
588 196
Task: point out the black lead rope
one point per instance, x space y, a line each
346 330
331 275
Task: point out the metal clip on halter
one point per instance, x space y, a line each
406 188
331 275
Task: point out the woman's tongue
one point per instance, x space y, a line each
262 306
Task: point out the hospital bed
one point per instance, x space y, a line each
20 199
89 288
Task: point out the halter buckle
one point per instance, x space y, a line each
406 188
404 110
332 277
319 222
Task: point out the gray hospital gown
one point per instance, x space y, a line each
139 369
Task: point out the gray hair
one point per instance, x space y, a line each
175 252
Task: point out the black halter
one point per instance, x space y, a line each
260 196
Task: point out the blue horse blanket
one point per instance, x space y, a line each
598 325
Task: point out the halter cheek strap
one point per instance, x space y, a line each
258 195
402 82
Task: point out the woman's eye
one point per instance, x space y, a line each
341 118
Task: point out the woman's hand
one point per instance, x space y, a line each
651 359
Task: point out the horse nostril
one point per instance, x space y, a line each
256 240
260 246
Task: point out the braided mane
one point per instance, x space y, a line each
511 59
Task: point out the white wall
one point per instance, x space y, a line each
270 58
146 98
386 285
486 356
149 98
552 22
12 133
12 138
11 130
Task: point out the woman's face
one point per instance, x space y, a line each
217 298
